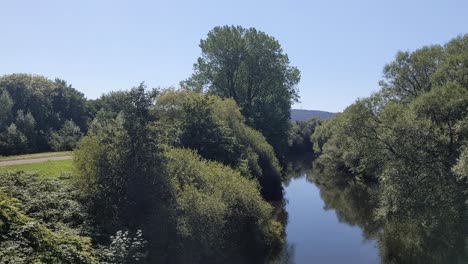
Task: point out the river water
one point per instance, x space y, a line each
315 234
329 218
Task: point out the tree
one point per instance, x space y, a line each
119 164
26 240
177 198
68 104
13 141
216 129
250 67
410 73
221 217
299 135
39 106
461 167
66 138
209 136
27 125
6 104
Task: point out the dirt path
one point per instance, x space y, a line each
27 161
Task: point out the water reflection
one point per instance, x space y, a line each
287 255
332 218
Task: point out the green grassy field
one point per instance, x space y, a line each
51 168
36 155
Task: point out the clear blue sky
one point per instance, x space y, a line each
339 46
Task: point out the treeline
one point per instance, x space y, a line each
299 136
408 144
205 207
161 176
37 114
177 172
247 65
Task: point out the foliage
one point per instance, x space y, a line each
461 167
299 140
37 107
13 141
54 202
35 224
250 67
66 138
6 104
209 135
177 199
220 215
118 163
409 138
216 129
124 248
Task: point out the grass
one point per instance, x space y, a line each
37 155
51 168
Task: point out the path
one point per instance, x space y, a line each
27 161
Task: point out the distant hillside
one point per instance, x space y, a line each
304 115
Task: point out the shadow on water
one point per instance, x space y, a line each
331 219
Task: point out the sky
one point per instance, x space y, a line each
340 47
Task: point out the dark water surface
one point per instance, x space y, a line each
315 234
330 217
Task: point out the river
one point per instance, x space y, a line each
329 219
315 234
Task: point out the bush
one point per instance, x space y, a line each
221 217
216 129
35 225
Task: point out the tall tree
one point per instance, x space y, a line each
6 104
38 107
250 67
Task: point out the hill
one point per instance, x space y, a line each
304 115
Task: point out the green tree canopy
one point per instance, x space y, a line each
38 107
249 66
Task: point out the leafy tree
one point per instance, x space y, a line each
29 240
410 73
119 164
409 139
13 141
125 248
66 138
6 104
453 68
299 135
68 104
38 107
27 125
176 198
30 94
250 67
216 129
202 131
461 167
221 216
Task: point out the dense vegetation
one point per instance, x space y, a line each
37 114
153 175
139 178
409 142
187 175
250 67
299 139
43 223
170 176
